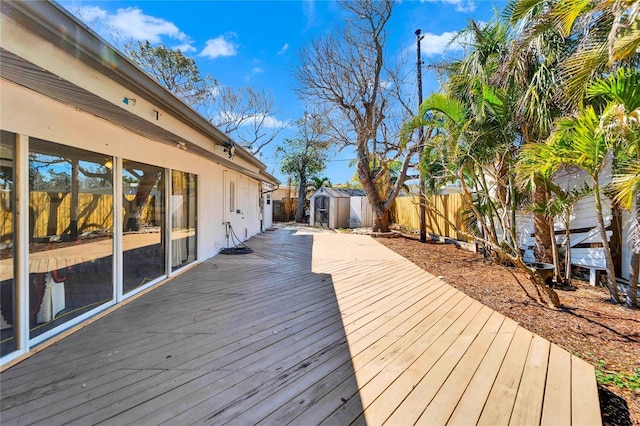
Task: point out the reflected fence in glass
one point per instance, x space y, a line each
71 229
70 233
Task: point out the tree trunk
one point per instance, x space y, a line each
540 223
611 273
145 185
382 223
301 197
634 270
553 298
632 290
75 196
554 252
567 254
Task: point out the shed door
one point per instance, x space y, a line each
321 211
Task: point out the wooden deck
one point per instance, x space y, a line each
309 329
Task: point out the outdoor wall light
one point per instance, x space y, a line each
181 145
231 149
127 100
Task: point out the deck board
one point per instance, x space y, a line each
311 328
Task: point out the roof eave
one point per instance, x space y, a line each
51 22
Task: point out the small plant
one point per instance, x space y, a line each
621 380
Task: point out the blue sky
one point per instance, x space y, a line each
255 42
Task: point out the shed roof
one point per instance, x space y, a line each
340 192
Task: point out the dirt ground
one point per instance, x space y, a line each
587 324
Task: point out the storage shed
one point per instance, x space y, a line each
340 208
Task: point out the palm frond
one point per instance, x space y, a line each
565 13
578 69
452 108
626 184
622 87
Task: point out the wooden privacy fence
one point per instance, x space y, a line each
406 212
284 210
50 213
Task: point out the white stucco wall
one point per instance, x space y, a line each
23 111
267 213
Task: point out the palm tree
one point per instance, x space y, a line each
538 164
463 152
606 35
316 182
578 141
491 135
619 97
533 68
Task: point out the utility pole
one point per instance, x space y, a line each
423 214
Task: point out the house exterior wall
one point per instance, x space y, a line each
49 120
181 187
267 211
52 121
285 192
584 213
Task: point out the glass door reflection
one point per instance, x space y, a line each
183 218
143 240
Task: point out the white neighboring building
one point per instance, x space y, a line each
586 243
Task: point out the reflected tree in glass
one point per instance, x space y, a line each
143 224
70 228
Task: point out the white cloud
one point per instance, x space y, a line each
257 70
185 48
284 49
271 122
309 10
437 44
461 5
89 14
130 23
219 46
267 121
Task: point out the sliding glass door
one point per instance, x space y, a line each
70 233
144 228
183 218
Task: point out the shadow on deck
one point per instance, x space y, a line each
308 329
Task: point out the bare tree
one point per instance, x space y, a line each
246 113
305 155
346 71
